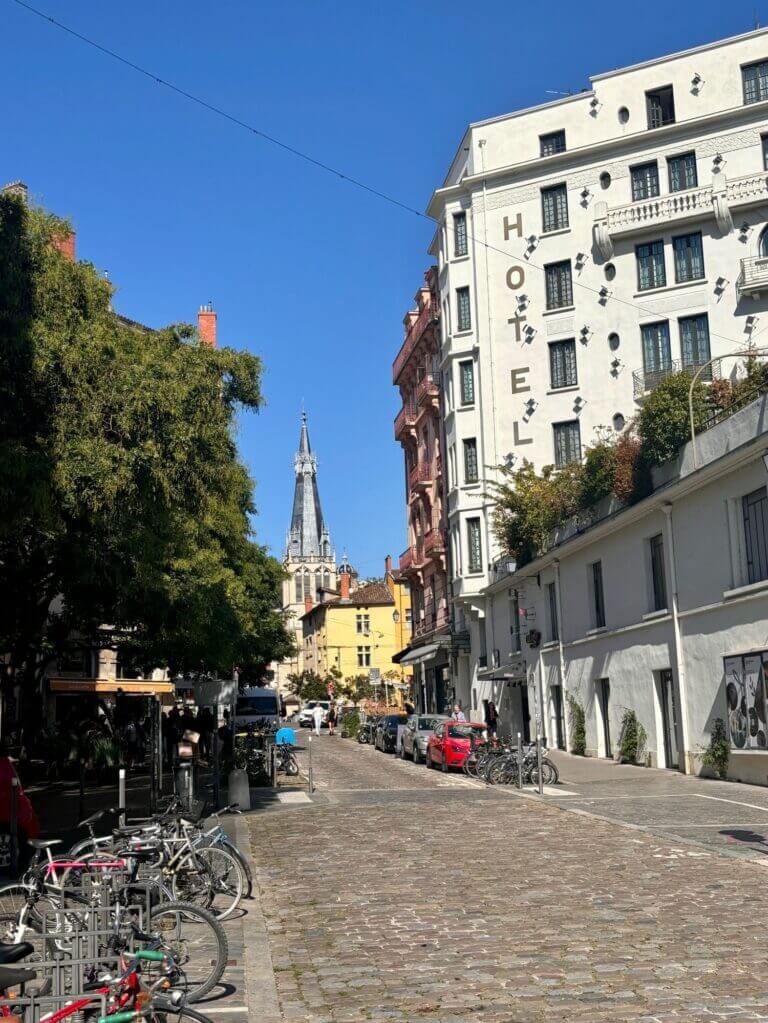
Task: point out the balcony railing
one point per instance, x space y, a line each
428 390
675 206
753 279
645 380
434 541
429 314
431 620
422 473
406 560
405 419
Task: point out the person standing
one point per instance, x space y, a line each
458 713
332 718
317 716
491 718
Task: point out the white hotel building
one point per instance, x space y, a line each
586 247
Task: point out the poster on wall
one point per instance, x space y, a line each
735 695
755 688
746 700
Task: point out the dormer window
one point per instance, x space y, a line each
553 142
660 104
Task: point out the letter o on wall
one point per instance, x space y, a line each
515 277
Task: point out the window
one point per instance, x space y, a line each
452 474
651 272
689 257
463 314
559 285
660 104
554 631
553 142
562 363
645 181
764 140
567 442
470 460
408 618
514 621
754 79
474 546
467 382
299 590
460 234
554 208
658 577
694 342
755 509
657 357
363 624
682 172
363 657
598 601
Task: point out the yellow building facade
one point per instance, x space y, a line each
355 630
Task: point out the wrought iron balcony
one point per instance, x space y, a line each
429 314
644 380
434 541
405 420
432 619
753 279
420 476
428 391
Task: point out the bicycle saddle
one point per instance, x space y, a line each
92 819
43 843
12 978
12 953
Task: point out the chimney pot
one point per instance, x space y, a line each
388 565
206 324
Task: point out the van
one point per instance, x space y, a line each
257 706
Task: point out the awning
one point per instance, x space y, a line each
419 654
132 686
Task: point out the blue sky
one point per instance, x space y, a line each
180 207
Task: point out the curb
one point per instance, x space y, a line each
260 988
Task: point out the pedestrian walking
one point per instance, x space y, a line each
491 718
332 719
458 713
317 716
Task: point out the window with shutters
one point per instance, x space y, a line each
660 104
470 460
460 234
562 363
658 576
554 208
651 272
682 172
467 381
694 343
754 79
559 284
755 512
689 257
474 546
645 181
463 313
567 438
657 355
551 143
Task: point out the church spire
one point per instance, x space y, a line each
308 537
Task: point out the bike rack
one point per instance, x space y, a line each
34 1008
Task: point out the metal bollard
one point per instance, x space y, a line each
216 771
121 795
538 762
311 781
519 761
14 826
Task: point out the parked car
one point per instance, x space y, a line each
305 718
257 706
418 729
386 732
450 743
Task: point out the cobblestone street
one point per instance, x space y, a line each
407 895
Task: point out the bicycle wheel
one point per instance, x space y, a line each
195 940
210 877
12 932
244 865
552 777
163 1010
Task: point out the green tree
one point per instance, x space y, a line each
528 506
664 422
122 499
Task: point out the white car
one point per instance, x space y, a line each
305 715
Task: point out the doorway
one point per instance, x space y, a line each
557 708
604 700
669 719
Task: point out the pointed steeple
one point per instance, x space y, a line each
308 537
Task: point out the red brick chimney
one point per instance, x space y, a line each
388 565
307 604
65 244
344 585
206 324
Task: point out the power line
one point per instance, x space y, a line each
328 168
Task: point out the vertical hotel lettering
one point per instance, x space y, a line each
515 281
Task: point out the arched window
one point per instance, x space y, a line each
318 583
307 583
326 580
299 596
763 243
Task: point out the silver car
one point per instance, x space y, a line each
418 729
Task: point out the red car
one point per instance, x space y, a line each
449 744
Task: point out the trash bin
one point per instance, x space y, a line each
183 782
